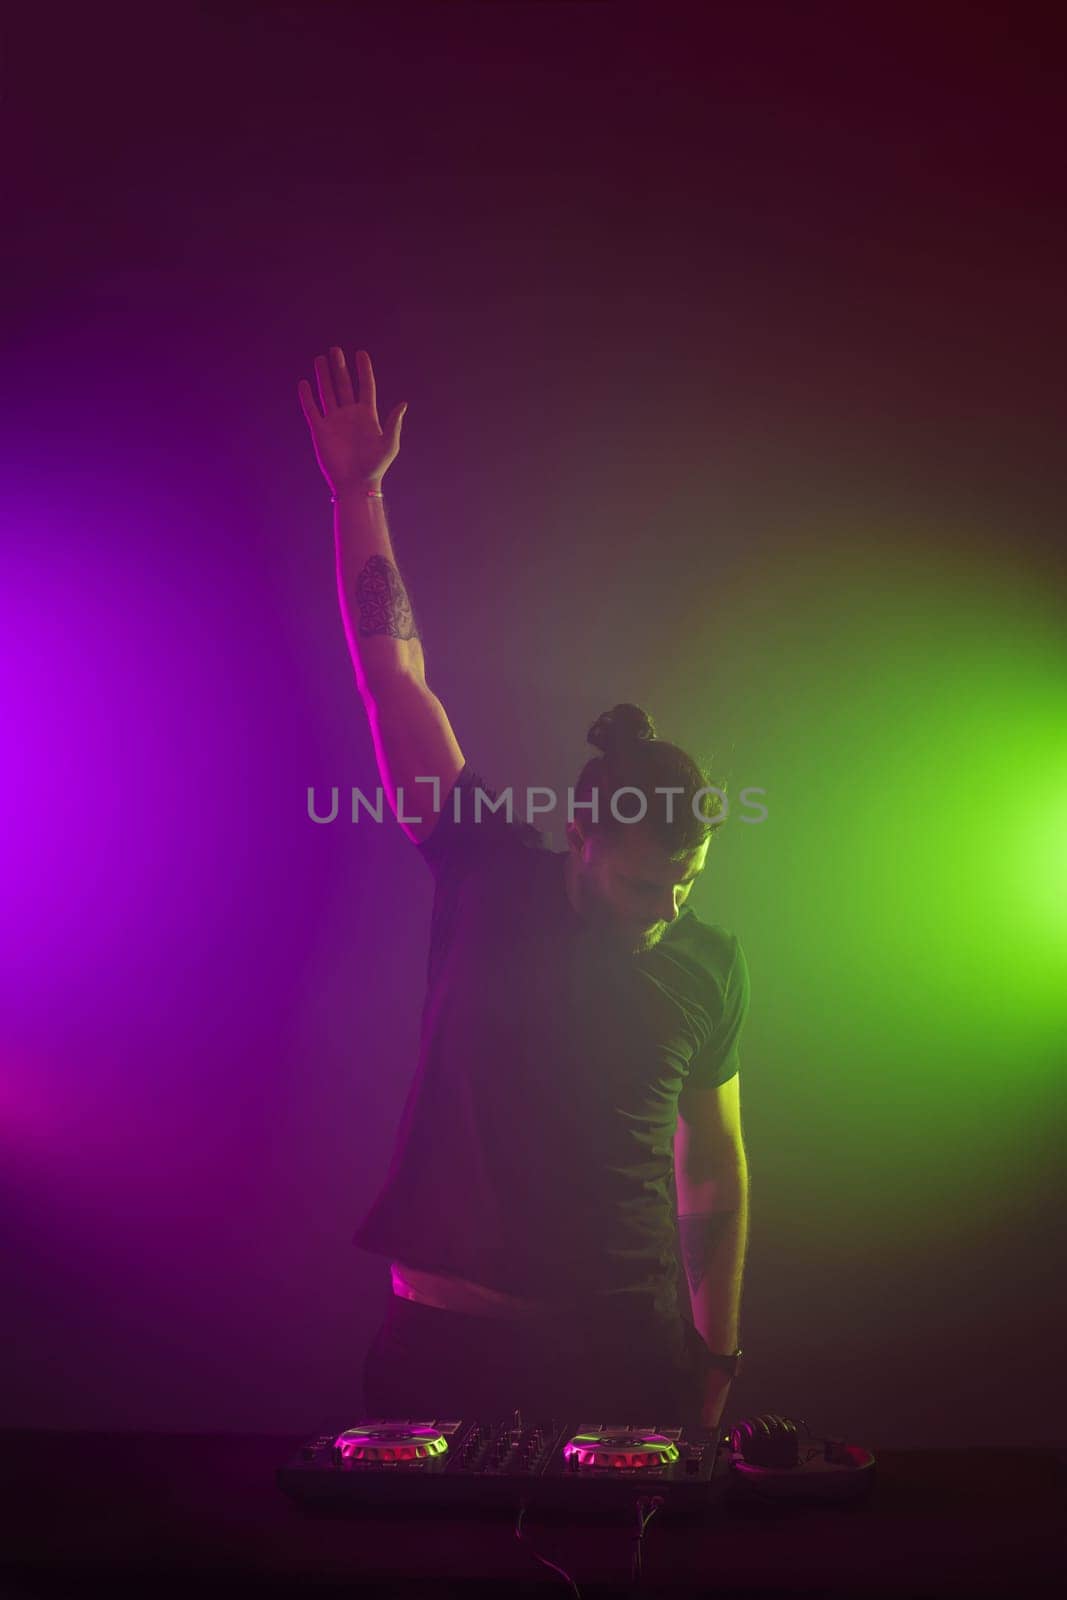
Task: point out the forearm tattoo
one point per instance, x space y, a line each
384 606
697 1233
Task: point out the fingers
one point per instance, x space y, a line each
335 385
307 402
367 391
327 398
396 418
342 378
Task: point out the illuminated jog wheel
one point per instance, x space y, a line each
389 1446
621 1452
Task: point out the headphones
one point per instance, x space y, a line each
766 1441
770 1460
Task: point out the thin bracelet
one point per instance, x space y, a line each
373 494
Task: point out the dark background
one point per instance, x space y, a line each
733 343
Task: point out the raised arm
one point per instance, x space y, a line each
412 735
354 455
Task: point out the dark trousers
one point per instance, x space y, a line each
428 1363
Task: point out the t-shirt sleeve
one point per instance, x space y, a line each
718 1059
459 843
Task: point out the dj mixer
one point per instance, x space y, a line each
586 1466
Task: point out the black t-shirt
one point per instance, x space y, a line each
535 1149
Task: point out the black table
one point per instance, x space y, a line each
157 1514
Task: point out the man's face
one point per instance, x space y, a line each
627 886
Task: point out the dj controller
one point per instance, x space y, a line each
587 1466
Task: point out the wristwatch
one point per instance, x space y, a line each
730 1364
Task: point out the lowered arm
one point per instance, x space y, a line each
711 1181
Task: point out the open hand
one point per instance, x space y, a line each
351 446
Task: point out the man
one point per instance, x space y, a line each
579 1046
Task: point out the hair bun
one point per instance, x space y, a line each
623 724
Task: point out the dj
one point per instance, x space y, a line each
579 1046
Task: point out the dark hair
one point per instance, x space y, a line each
632 757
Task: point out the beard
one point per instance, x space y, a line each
626 934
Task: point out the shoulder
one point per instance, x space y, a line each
476 826
486 803
698 964
716 951
722 978
717 969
